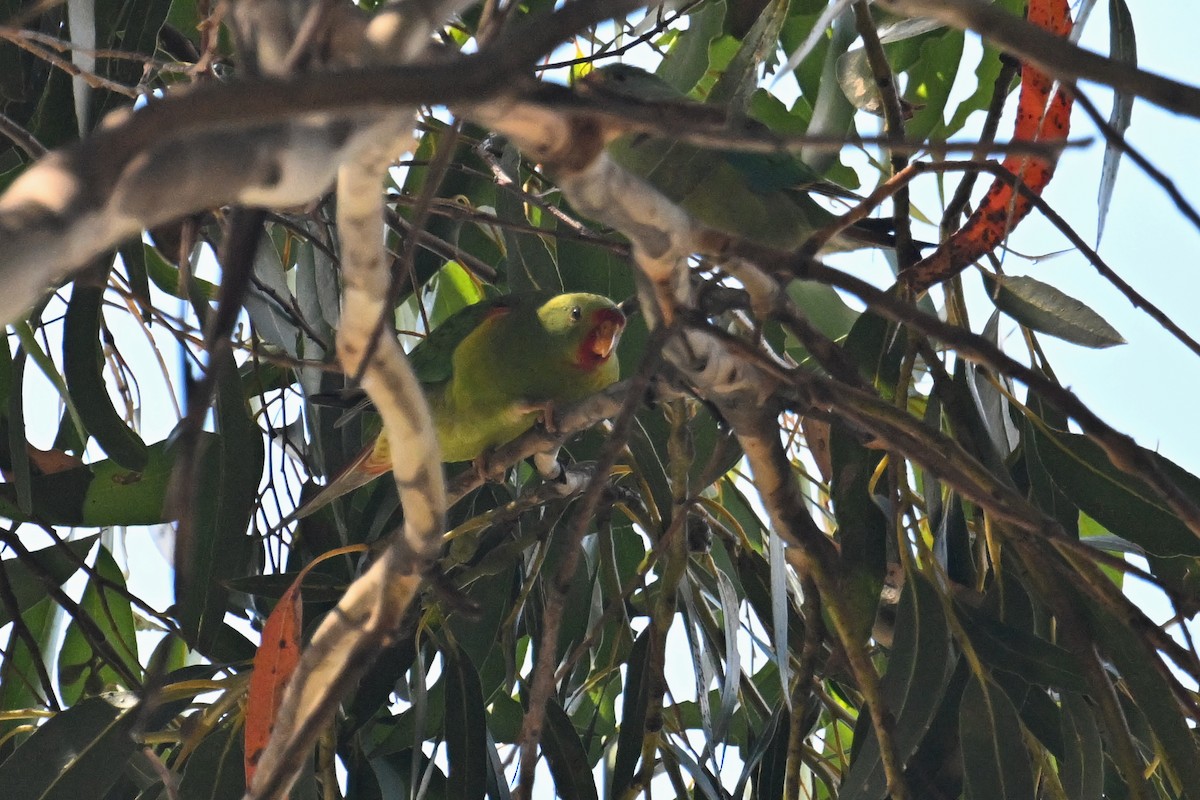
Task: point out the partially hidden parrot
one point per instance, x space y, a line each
761 197
492 369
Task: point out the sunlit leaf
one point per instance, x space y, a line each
84 669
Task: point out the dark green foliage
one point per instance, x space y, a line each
976 537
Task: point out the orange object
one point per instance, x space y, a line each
274 663
277 657
1040 117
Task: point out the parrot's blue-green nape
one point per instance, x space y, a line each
760 197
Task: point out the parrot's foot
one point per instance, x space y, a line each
480 465
573 478
565 479
545 412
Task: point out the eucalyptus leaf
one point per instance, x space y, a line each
1122 48
995 762
76 755
1040 306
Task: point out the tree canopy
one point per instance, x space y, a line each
834 534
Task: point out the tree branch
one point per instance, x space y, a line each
1050 53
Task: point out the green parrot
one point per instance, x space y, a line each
762 197
492 369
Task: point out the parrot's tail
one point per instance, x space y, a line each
873 232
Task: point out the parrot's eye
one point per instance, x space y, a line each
576 313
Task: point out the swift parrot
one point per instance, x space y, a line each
762 197
491 369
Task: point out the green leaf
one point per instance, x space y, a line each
1014 650
1122 48
216 770
77 755
1081 770
824 308
229 468
567 759
688 59
165 276
1040 306
20 685
58 562
465 729
82 670
633 715
531 264
83 369
1118 501
930 80
269 291
916 678
995 761
100 494
1148 689
862 529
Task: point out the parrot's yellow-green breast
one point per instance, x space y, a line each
513 358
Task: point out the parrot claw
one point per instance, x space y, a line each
547 417
480 465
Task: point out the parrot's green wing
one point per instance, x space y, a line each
763 197
433 358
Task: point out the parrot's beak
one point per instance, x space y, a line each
607 333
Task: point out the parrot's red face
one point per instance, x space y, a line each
602 337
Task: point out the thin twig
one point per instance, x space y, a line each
542 683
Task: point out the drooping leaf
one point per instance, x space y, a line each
1118 501
83 369
21 682
229 468
530 264
1082 768
917 675
274 663
215 770
1012 649
1149 690
565 754
55 563
688 59
82 668
1042 307
76 755
995 761
633 714
465 729
1122 48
